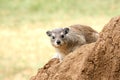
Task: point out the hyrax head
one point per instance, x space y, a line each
58 36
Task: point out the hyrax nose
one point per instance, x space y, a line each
58 42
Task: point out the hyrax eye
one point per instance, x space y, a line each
62 36
53 37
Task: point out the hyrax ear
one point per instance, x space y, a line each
49 33
66 30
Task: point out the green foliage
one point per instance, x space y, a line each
64 7
15 12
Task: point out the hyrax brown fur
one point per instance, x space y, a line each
66 40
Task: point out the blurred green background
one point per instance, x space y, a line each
24 46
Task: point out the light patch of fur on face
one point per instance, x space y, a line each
62 33
53 34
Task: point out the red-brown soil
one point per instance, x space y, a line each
95 61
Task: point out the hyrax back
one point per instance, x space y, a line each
66 40
89 34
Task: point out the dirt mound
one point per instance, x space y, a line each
96 61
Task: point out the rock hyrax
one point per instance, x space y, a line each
66 40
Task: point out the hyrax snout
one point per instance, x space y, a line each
66 40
